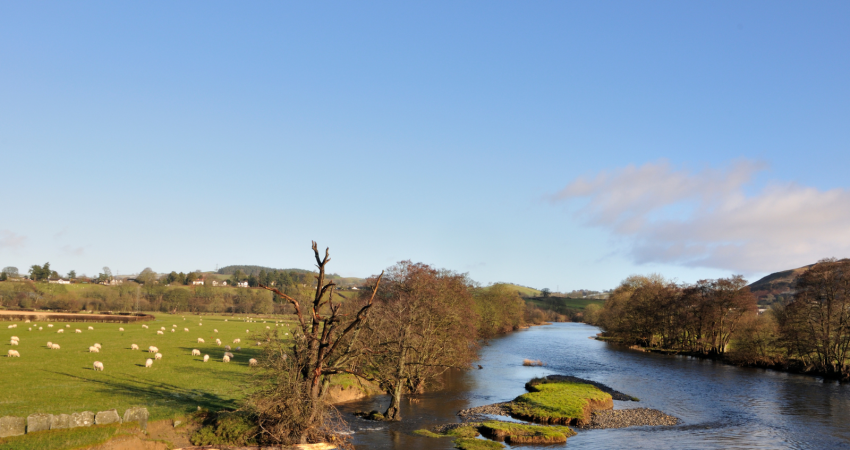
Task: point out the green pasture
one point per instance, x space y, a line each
63 381
573 303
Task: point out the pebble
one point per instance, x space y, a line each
637 417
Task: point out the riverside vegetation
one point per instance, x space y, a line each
809 333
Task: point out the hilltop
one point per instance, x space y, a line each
776 286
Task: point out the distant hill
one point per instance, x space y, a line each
776 286
524 291
255 270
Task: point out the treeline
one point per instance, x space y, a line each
809 333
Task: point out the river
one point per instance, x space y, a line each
720 406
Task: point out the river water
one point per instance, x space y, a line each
720 406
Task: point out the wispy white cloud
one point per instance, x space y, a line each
72 251
707 219
11 241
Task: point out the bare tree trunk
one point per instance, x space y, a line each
393 412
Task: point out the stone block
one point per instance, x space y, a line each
60 421
107 417
12 426
83 419
137 414
38 422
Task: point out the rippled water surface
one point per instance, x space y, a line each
720 406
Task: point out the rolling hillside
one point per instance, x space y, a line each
776 286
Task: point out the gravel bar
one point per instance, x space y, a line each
638 417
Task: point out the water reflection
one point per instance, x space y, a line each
721 407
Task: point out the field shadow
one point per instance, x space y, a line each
217 353
158 391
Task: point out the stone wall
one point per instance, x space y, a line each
16 426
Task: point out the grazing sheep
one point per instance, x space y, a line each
148 362
159 332
158 356
247 331
172 330
39 328
78 330
225 320
258 344
268 327
30 328
236 341
98 366
152 349
15 338
252 362
225 359
13 353
215 330
238 348
162 328
185 329
14 325
227 347
49 344
200 340
55 347
120 329
13 342
134 347
60 331
228 354
218 342
49 325
144 326
173 326
91 328
67 326
196 352
206 358
27 321
97 345
94 349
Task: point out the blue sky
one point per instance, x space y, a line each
467 135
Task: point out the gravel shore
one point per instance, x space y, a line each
621 418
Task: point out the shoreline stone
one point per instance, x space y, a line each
623 418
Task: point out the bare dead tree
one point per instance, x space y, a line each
291 407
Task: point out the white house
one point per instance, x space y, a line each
59 281
242 284
198 282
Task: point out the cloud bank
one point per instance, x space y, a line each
708 219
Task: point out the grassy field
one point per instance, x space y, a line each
63 381
524 291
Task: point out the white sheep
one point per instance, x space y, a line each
94 349
252 362
173 326
49 344
206 358
14 325
120 329
218 342
200 324
172 330
49 325
225 320
55 347
13 342
30 328
237 340
158 356
159 332
247 331
186 329
268 327
144 326
78 330
13 353
60 331
98 345
258 343
228 354
148 363
98 366
162 328
238 348
91 328
27 321
15 338
227 347
200 340
40 328
67 326
134 347
196 352
152 349
215 330
226 359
